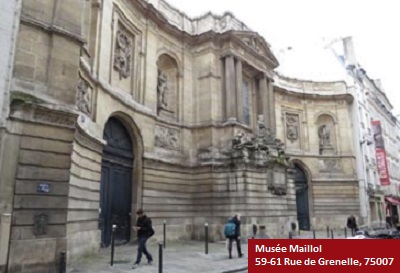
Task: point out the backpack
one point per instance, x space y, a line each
151 231
230 229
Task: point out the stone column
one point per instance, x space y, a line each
230 88
264 99
239 91
271 108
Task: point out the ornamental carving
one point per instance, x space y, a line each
264 140
40 224
167 138
123 54
84 97
292 127
330 165
162 88
53 118
324 133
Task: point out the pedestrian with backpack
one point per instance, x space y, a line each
232 233
144 231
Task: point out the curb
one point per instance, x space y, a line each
236 270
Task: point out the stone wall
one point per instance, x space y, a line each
83 234
301 109
41 187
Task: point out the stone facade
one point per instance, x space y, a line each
314 119
212 130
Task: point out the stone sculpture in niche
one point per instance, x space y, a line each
83 98
324 134
325 143
122 55
162 88
292 127
40 227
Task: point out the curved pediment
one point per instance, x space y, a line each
257 43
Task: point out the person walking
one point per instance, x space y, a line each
144 231
352 224
232 233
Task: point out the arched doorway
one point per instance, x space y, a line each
303 211
116 183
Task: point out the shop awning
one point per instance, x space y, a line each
393 200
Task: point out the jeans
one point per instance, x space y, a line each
143 249
239 250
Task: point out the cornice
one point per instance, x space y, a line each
315 96
52 28
151 13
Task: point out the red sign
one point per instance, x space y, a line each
380 153
323 255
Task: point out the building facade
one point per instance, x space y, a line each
131 104
379 176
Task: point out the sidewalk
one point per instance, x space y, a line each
178 257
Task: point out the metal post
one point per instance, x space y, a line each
327 231
206 237
313 232
160 257
345 232
299 231
332 233
63 262
114 227
165 233
290 235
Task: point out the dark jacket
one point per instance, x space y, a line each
351 222
146 228
237 223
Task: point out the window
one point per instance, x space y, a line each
246 102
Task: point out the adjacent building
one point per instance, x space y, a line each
377 141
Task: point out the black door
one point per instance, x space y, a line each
303 212
116 183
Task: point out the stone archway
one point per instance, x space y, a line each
302 198
116 182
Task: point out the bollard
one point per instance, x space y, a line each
345 232
313 232
165 233
63 262
160 257
327 231
332 233
290 235
114 227
206 237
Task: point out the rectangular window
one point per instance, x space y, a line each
246 102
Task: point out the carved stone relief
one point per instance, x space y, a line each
292 127
53 118
123 54
324 133
255 43
329 165
84 97
167 138
162 88
40 224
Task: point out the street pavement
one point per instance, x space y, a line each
178 257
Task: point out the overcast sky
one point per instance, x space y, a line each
285 23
